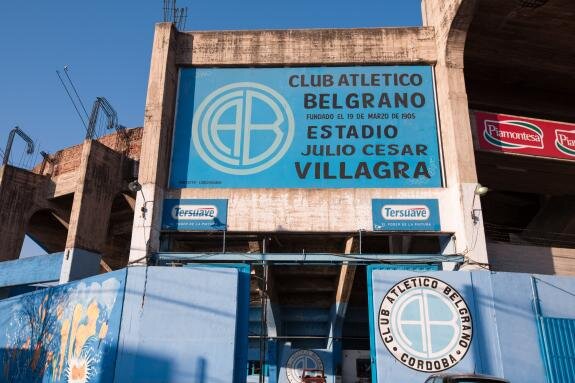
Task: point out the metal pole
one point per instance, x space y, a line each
541 329
264 319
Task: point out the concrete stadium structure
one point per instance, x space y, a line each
104 203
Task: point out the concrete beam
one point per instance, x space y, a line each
64 222
320 258
338 310
310 46
273 311
130 200
343 292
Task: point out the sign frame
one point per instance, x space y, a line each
204 214
410 213
328 165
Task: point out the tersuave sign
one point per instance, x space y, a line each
342 127
405 215
195 214
512 134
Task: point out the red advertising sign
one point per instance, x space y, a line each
520 135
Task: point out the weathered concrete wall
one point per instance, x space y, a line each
102 174
21 193
317 210
313 209
68 160
531 259
309 46
74 191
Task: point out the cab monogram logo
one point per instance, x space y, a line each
243 128
425 324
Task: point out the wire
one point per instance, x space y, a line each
75 91
72 100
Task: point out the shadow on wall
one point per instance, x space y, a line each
151 369
521 258
28 365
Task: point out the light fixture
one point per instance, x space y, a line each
479 191
135 186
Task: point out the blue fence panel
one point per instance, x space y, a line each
38 269
560 350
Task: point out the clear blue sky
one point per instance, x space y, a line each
107 45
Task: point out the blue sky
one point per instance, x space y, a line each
107 45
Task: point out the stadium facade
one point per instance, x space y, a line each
314 200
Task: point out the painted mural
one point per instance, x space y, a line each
67 333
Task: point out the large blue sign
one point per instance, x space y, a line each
195 214
336 127
405 215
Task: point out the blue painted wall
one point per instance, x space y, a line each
181 325
505 339
41 268
154 324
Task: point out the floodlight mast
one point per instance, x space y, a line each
24 136
173 14
111 115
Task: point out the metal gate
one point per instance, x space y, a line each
557 339
559 348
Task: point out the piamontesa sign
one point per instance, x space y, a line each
425 324
520 135
332 127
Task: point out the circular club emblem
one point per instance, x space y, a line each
300 360
243 128
425 324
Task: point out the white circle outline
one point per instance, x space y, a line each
291 371
396 326
199 115
392 314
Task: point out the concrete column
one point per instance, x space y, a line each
19 191
156 144
102 174
451 20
